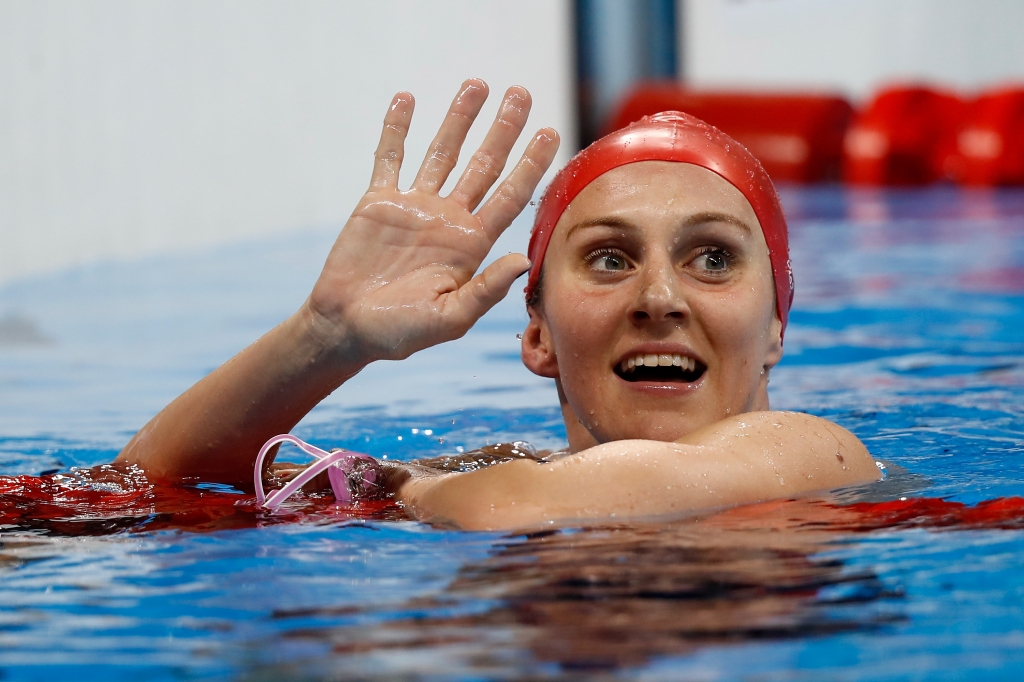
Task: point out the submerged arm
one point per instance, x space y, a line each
743 459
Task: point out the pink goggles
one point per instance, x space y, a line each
339 466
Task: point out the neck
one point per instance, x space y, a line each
580 437
759 400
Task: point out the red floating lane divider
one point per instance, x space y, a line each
906 135
113 501
988 148
903 137
925 512
796 137
105 500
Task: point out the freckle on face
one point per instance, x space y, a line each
652 212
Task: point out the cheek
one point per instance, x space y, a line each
737 325
581 323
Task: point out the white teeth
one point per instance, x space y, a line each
659 360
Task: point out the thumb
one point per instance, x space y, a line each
481 293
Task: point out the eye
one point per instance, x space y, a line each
712 260
607 260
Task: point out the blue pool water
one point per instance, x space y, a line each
908 329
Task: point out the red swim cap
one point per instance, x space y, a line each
671 136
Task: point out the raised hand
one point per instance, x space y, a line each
400 276
398 279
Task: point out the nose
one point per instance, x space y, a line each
660 297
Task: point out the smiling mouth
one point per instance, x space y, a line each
661 369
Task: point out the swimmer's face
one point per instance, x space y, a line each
655 261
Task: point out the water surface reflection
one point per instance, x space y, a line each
619 595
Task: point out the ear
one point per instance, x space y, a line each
774 354
538 352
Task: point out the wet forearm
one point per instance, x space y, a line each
746 459
214 430
621 479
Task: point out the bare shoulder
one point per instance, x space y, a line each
747 458
797 438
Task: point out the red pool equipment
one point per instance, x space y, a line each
902 137
796 137
73 505
989 144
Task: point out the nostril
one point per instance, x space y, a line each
642 315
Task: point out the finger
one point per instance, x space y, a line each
481 293
387 160
511 196
444 150
486 165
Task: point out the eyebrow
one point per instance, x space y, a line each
695 219
715 217
608 221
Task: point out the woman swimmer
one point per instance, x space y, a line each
658 295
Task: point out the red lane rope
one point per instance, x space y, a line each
119 502
927 512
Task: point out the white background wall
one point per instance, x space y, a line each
852 46
128 127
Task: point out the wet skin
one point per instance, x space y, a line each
658 258
413 285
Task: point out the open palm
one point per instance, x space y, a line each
400 277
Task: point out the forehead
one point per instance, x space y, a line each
659 189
